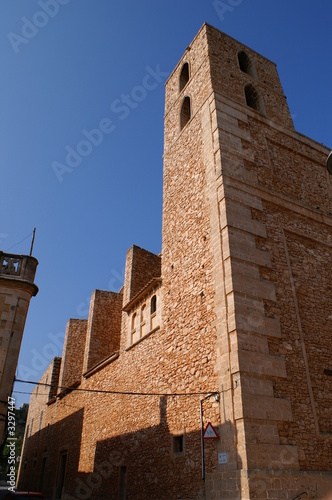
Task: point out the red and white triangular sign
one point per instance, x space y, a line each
210 432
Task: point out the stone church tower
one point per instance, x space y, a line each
230 326
247 252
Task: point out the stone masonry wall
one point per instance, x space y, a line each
115 434
103 328
279 325
229 80
141 267
73 352
192 267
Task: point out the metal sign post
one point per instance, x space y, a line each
202 440
209 426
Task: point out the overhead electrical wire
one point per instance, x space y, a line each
26 237
123 393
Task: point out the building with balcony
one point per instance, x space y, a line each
17 274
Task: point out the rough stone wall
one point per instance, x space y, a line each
194 306
103 328
141 267
109 432
54 373
73 352
229 80
41 395
274 197
301 253
141 321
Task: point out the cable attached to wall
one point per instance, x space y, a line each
123 393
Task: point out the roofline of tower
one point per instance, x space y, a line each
205 24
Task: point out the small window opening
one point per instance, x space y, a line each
42 474
133 322
143 309
123 483
178 445
142 326
253 99
61 476
153 304
246 65
184 76
185 112
40 420
153 312
133 326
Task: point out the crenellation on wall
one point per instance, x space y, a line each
73 352
103 329
141 267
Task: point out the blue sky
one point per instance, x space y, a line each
67 66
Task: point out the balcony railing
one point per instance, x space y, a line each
18 266
10 264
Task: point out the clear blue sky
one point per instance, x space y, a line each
70 73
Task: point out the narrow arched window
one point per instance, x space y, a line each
142 324
246 65
153 307
40 420
133 335
185 112
133 322
253 99
184 76
153 312
143 313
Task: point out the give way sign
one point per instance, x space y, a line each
210 432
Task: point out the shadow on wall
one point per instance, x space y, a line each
149 464
51 456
